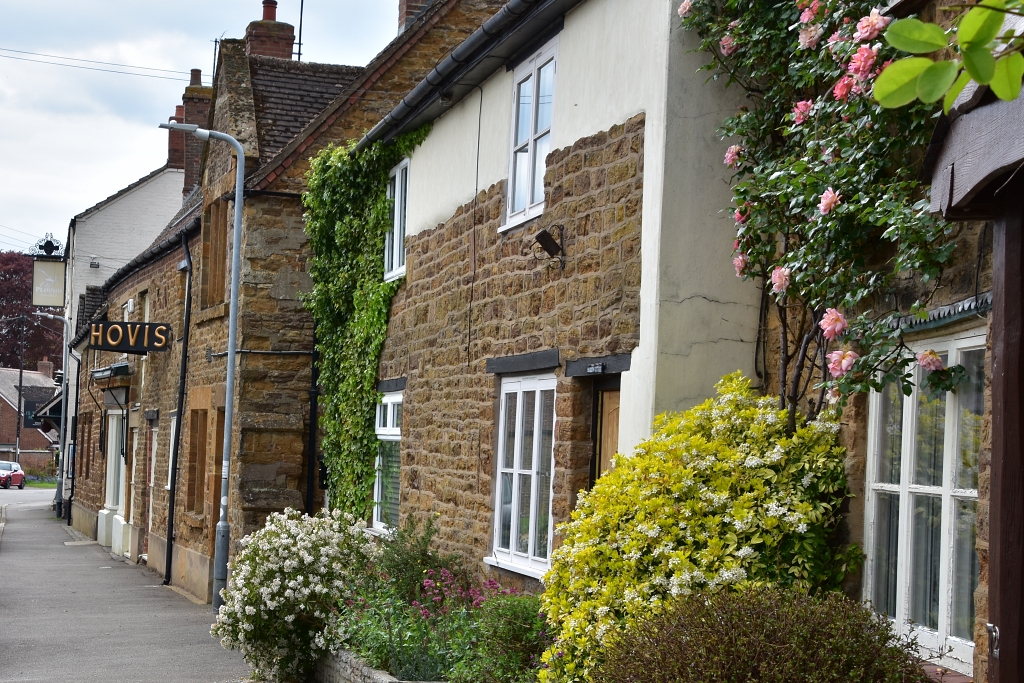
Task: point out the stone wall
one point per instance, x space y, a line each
473 293
345 667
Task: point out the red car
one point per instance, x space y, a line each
11 473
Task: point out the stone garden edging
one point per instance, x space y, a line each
346 667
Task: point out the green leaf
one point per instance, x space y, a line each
897 85
980 63
954 92
981 25
1006 80
915 36
936 80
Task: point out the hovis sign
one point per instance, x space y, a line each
137 338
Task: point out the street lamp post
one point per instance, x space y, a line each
220 558
58 498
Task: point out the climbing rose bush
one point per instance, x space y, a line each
720 497
281 606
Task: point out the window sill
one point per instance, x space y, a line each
211 313
517 568
375 532
521 219
394 275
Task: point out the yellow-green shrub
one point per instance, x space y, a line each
719 496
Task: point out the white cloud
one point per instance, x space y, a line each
71 137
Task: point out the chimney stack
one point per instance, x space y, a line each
409 10
270 37
45 366
195 109
176 140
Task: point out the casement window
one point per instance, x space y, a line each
196 473
115 459
533 105
215 254
522 515
394 243
922 505
387 488
170 449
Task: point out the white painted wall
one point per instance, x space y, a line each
618 58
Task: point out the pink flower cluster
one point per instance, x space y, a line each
732 156
740 262
780 279
809 36
685 9
802 111
810 10
441 591
830 199
870 26
930 361
843 88
833 324
862 63
841 362
742 213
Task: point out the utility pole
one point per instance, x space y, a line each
21 382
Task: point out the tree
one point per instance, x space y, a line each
43 338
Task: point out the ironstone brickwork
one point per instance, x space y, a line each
473 292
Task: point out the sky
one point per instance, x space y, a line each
71 137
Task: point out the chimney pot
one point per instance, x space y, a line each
270 37
269 10
179 113
45 367
197 77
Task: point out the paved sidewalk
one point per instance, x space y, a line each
73 614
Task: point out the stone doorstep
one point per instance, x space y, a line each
345 667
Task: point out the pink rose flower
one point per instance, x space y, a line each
870 26
862 62
735 245
801 111
930 361
732 156
810 36
780 279
842 89
742 213
807 16
833 324
841 362
740 262
685 9
728 45
834 40
833 395
829 200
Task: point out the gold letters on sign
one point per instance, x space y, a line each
137 338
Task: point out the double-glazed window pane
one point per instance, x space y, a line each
531 137
886 551
890 437
925 576
388 483
547 434
971 408
524 110
965 569
545 96
931 435
394 243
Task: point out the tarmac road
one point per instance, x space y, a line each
74 614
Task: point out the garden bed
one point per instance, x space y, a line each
346 667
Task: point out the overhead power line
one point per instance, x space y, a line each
93 61
93 68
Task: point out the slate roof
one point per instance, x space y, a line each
289 94
38 387
88 305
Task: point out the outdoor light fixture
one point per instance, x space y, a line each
555 249
220 555
115 370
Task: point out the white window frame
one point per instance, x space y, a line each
531 562
115 494
394 242
388 425
530 69
956 653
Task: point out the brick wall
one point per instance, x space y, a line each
472 293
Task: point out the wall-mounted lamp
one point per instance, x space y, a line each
555 249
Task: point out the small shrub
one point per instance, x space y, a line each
407 555
764 635
289 583
511 635
720 496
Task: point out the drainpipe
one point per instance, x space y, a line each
220 558
74 432
181 407
311 461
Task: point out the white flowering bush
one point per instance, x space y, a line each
288 587
720 496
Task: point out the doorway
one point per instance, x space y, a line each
605 431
